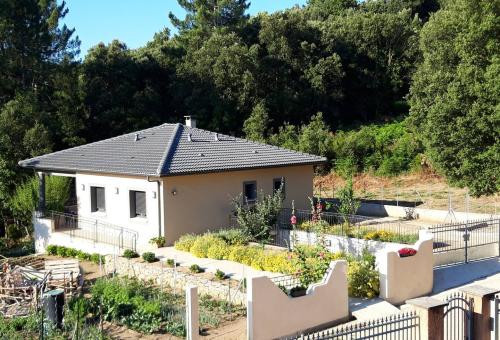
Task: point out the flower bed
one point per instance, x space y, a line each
360 232
307 262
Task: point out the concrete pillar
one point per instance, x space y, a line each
481 297
192 313
40 211
431 313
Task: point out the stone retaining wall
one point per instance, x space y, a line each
163 275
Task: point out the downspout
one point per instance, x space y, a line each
158 198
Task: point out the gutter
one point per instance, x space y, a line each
158 197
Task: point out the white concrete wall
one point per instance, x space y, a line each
118 204
403 278
346 244
272 314
437 216
45 235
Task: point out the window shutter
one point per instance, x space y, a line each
140 203
132 203
93 199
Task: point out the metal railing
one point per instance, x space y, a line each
404 326
287 281
94 230
461 235
458 320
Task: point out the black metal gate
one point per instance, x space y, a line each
465 241
458 321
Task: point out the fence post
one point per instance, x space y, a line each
95 232
481 297
192 313
431 313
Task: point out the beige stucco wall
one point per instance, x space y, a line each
203 201
272 314
403 278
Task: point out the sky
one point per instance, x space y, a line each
134 22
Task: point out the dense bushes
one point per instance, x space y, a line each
310 261
71 252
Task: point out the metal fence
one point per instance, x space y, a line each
355 226
94 230
404 326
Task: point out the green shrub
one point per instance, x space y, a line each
196 269
202 244
149 257
218 249
82 255
219 274
51 249
234 236
171 263
71 252
97 258
14 232
130 254
363 279
185 242
62 251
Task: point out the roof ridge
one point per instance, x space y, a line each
83 146
170 149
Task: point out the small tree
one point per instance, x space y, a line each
348 203
258 219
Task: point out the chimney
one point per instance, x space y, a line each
190 122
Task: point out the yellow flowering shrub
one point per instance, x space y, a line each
202 244
218 250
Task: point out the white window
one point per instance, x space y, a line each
97 199
137 203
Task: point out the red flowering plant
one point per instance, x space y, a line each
405 252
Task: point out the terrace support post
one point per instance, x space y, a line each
481 297
431 313
40 212
192 313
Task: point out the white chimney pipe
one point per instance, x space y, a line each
190 122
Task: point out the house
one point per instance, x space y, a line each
169 180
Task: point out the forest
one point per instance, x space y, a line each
387 86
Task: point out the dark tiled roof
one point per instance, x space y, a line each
169 149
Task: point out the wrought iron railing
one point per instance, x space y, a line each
403 326
94 230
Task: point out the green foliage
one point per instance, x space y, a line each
171 263
257 220
362 278
315 137
71 252
159 241
185 242
130 254
220 275
454 93
25 199
194 268
348 202
233 236
255 127
149 257
14 232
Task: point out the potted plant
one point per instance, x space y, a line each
298 291
406 252
158 241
